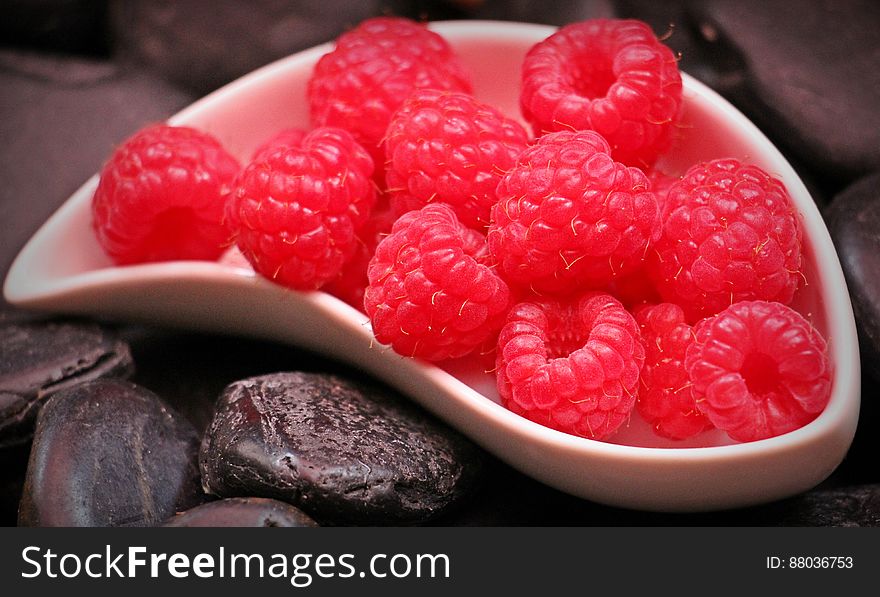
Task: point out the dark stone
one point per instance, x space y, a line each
809 75
58 69
853 220
719 65
190 370
857 506
202 45
109 453
13 466
38 359
344 452
77 26
242 512
860 465
548 12
60 118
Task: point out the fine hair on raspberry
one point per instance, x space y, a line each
730 233
431 293
759 369
572 365
570 218
612 76
351 283
288 137
161 196
296 210
666 401
452 148
372 69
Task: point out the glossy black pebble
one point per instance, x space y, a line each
853 220
812 70
109 453
344 452
202 45
38 359
242 512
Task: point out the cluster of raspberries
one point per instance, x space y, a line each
599 283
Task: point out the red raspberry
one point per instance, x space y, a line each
759 369
296 211
283 139
291 137
634 289
161 197
569 217
373 69
430 294
352 281
449 147
730 233
572 365
660 184
611 76
665 399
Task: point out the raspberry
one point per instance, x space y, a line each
296 211
665 399
759 369
660 184
611 76
569 217
730 233
283 139
373 69
571 365
161 195
634 289
449 147
291 137
352 281
431 295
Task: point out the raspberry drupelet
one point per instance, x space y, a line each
665 398
759 369
161 196
570 218
372 70
450 147
296 211
289 137
431 294
612 76
730 233
572 365
351 283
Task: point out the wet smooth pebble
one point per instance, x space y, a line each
13 467
242 512
74 26
811 73
853 220
109 453
202 45
343 451
38 359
